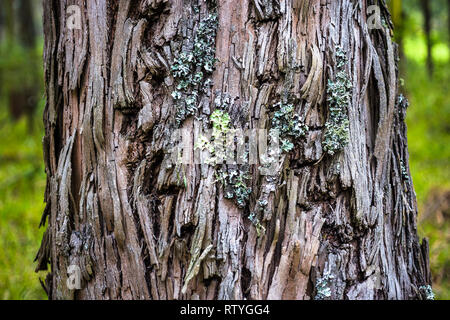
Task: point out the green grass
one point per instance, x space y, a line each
22 185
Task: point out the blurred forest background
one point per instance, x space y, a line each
422 30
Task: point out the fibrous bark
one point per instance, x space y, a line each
334 219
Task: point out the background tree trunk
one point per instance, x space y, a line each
426 9
8 20
335 220
27 27
448 22
23 100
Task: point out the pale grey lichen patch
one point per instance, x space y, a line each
323 290
402 100
402 105
336 135
427 291
404 172
192 69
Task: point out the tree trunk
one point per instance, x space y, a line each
334 218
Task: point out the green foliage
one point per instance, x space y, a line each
22 176
19 67
428 119
428 133
414 36
22 186
336 134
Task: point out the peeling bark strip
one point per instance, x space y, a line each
336 217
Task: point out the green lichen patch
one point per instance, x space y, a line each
402 101
260 229
402 106
287 125
404 171
217 146
220 121
235 185
336 135
192 69
234 180
323 290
